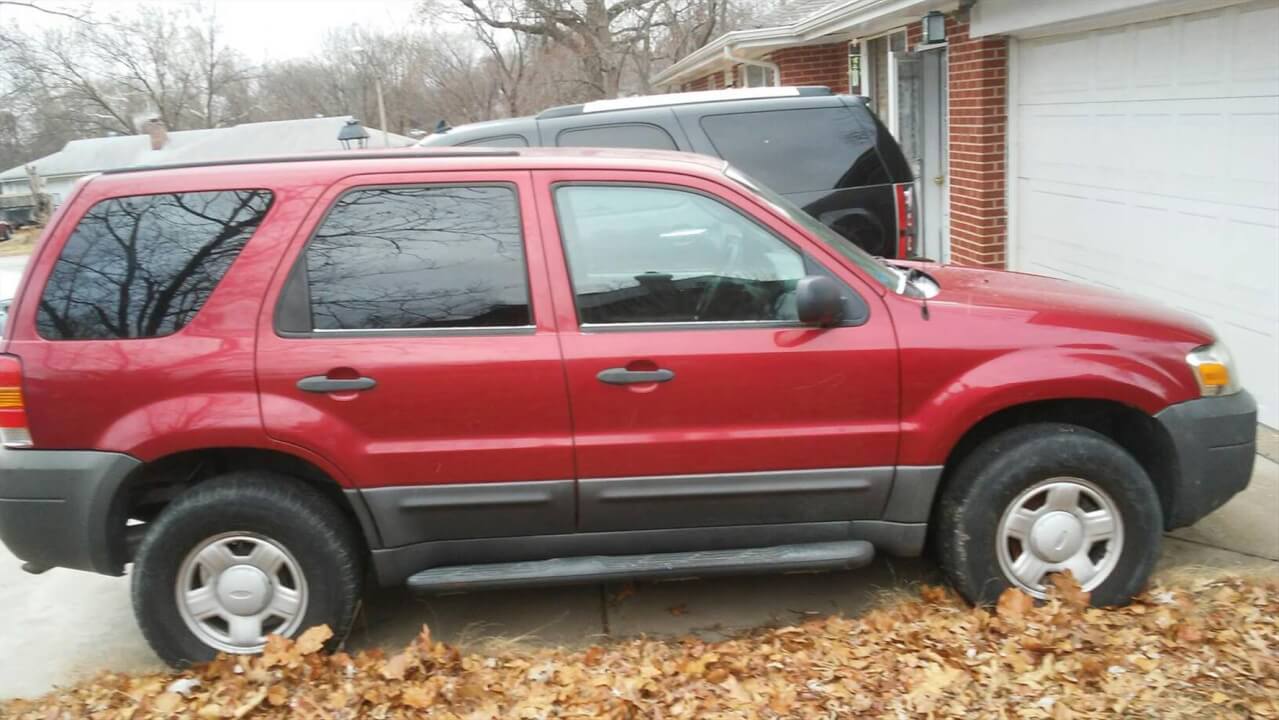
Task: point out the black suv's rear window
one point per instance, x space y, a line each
802 150
143 266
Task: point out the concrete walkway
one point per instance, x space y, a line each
63 626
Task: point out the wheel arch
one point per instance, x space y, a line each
151 486
1132 429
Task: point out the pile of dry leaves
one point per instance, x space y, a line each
1198 649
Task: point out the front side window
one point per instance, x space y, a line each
641 254
417 257
795 151
143 266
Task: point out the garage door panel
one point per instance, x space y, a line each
1222 150
1226 53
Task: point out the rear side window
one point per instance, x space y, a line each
143 266
418 257
629 135
799 150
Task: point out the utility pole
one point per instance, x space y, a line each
377 85
381 111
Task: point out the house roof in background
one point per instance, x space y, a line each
800 22
790 12
281 137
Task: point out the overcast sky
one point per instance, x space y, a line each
261 29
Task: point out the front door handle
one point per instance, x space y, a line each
322 384
622 376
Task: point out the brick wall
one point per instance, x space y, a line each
978 75
814 65
706 82
806 65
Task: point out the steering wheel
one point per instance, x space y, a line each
734 242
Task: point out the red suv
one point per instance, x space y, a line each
263 382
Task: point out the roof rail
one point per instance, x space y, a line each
411 151
682 98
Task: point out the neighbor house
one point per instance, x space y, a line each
1127 143
157 146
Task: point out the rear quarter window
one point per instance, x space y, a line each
802 150
497 141
143 266
627 135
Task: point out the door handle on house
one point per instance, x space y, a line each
323 384
622 376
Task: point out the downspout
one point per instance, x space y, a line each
777 71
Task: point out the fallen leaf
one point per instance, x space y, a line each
313 639
1014 604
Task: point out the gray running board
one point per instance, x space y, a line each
806 557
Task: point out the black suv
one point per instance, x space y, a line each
828 153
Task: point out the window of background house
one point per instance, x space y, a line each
878 55
419 257
143 266
756 76
628 135
798 150
661 255
855 68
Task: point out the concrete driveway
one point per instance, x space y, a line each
63 626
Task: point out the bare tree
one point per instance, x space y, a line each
81 15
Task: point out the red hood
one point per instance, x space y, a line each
1063 303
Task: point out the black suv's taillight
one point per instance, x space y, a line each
905 221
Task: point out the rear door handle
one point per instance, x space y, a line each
322 384
622 376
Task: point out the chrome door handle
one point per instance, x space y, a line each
322 384
622 376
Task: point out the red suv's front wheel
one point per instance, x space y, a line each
1043 499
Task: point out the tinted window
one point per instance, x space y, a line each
646 254
500 141
419 257
633 135
799 150
143 266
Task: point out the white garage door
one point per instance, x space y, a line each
1147 159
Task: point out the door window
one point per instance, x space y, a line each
795 151
661 255
143 266
629 135
419 258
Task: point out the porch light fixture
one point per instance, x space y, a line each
934 28
353 135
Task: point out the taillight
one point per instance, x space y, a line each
905 221
13 410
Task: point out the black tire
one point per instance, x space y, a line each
970 507
279 507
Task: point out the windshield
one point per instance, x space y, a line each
885 275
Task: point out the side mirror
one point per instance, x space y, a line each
819 301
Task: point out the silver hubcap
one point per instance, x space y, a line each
235 589
1060 524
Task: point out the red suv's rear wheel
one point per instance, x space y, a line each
241 557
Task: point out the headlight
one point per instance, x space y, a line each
1214 370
